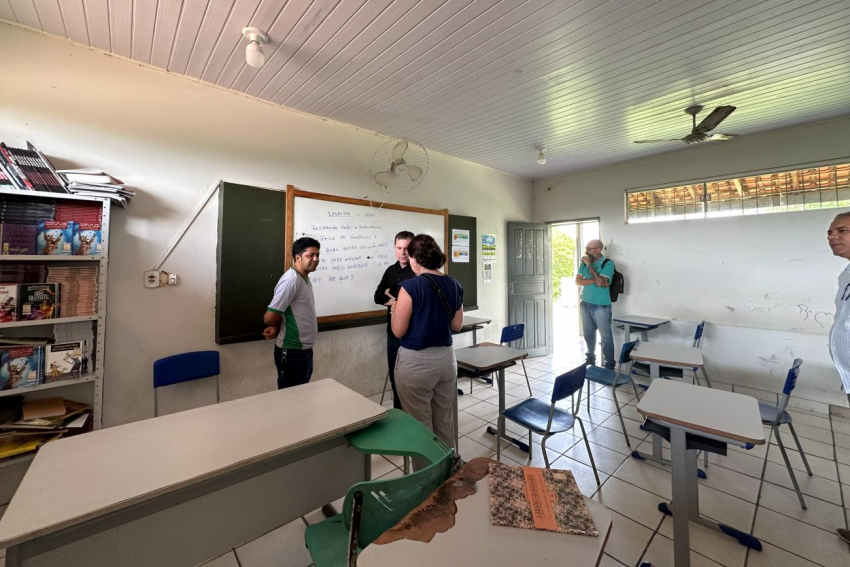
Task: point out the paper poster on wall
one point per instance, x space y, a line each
460 237
488 272
460 254
488 247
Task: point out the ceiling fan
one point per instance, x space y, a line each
700 133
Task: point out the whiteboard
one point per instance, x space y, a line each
356 248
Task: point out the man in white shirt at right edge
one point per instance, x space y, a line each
838 237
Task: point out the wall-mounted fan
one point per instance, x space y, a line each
700 133
399 165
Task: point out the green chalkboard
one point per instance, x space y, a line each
466 272
251 255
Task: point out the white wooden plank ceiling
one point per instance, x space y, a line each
491 81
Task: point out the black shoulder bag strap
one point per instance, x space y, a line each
440 294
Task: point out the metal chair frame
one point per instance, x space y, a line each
567 385
790 383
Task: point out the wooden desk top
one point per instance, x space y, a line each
664 353
718 412
469 321
475 541
641 321
83 477
487 357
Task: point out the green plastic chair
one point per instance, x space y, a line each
384 504
399 434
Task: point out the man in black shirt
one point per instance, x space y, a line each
386 295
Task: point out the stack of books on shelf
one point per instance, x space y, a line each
61 291
32 227
14 272
26 425
27 363
79 288
92 182
30 170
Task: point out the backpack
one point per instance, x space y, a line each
618 282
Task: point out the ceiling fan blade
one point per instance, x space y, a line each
714 119
399 149
385 177
722 137
657 141
415 172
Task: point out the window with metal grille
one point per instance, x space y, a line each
825 187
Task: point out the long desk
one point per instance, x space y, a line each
691 411
638 323
474 540
491 358
183 488
657 355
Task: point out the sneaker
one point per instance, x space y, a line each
844 534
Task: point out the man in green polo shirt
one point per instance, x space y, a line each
594 277
291 317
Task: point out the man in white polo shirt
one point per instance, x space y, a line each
294 306
838 236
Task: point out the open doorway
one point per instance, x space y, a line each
568 242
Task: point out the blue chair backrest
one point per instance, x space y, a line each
626 353
185 367
568 383
698 333
512 333
791 380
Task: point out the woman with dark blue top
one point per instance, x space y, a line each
428 308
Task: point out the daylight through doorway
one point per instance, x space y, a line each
568 242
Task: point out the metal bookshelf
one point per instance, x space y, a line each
93 379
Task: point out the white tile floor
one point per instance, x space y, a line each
750 490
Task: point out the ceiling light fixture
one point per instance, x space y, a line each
254 53
541 156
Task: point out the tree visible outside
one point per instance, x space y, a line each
563 260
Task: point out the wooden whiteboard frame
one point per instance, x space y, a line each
292 192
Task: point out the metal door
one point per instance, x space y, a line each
529 286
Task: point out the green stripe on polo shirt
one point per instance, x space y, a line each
291 337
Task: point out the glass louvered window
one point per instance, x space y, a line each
826 187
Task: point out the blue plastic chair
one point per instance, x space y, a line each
774 416
185 368
548 419
614 379
511 334
677 372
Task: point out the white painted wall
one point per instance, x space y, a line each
171 139
747 276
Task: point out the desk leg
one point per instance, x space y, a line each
644 336
683 495
474 336
686 502
501 422
454 403
627 333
